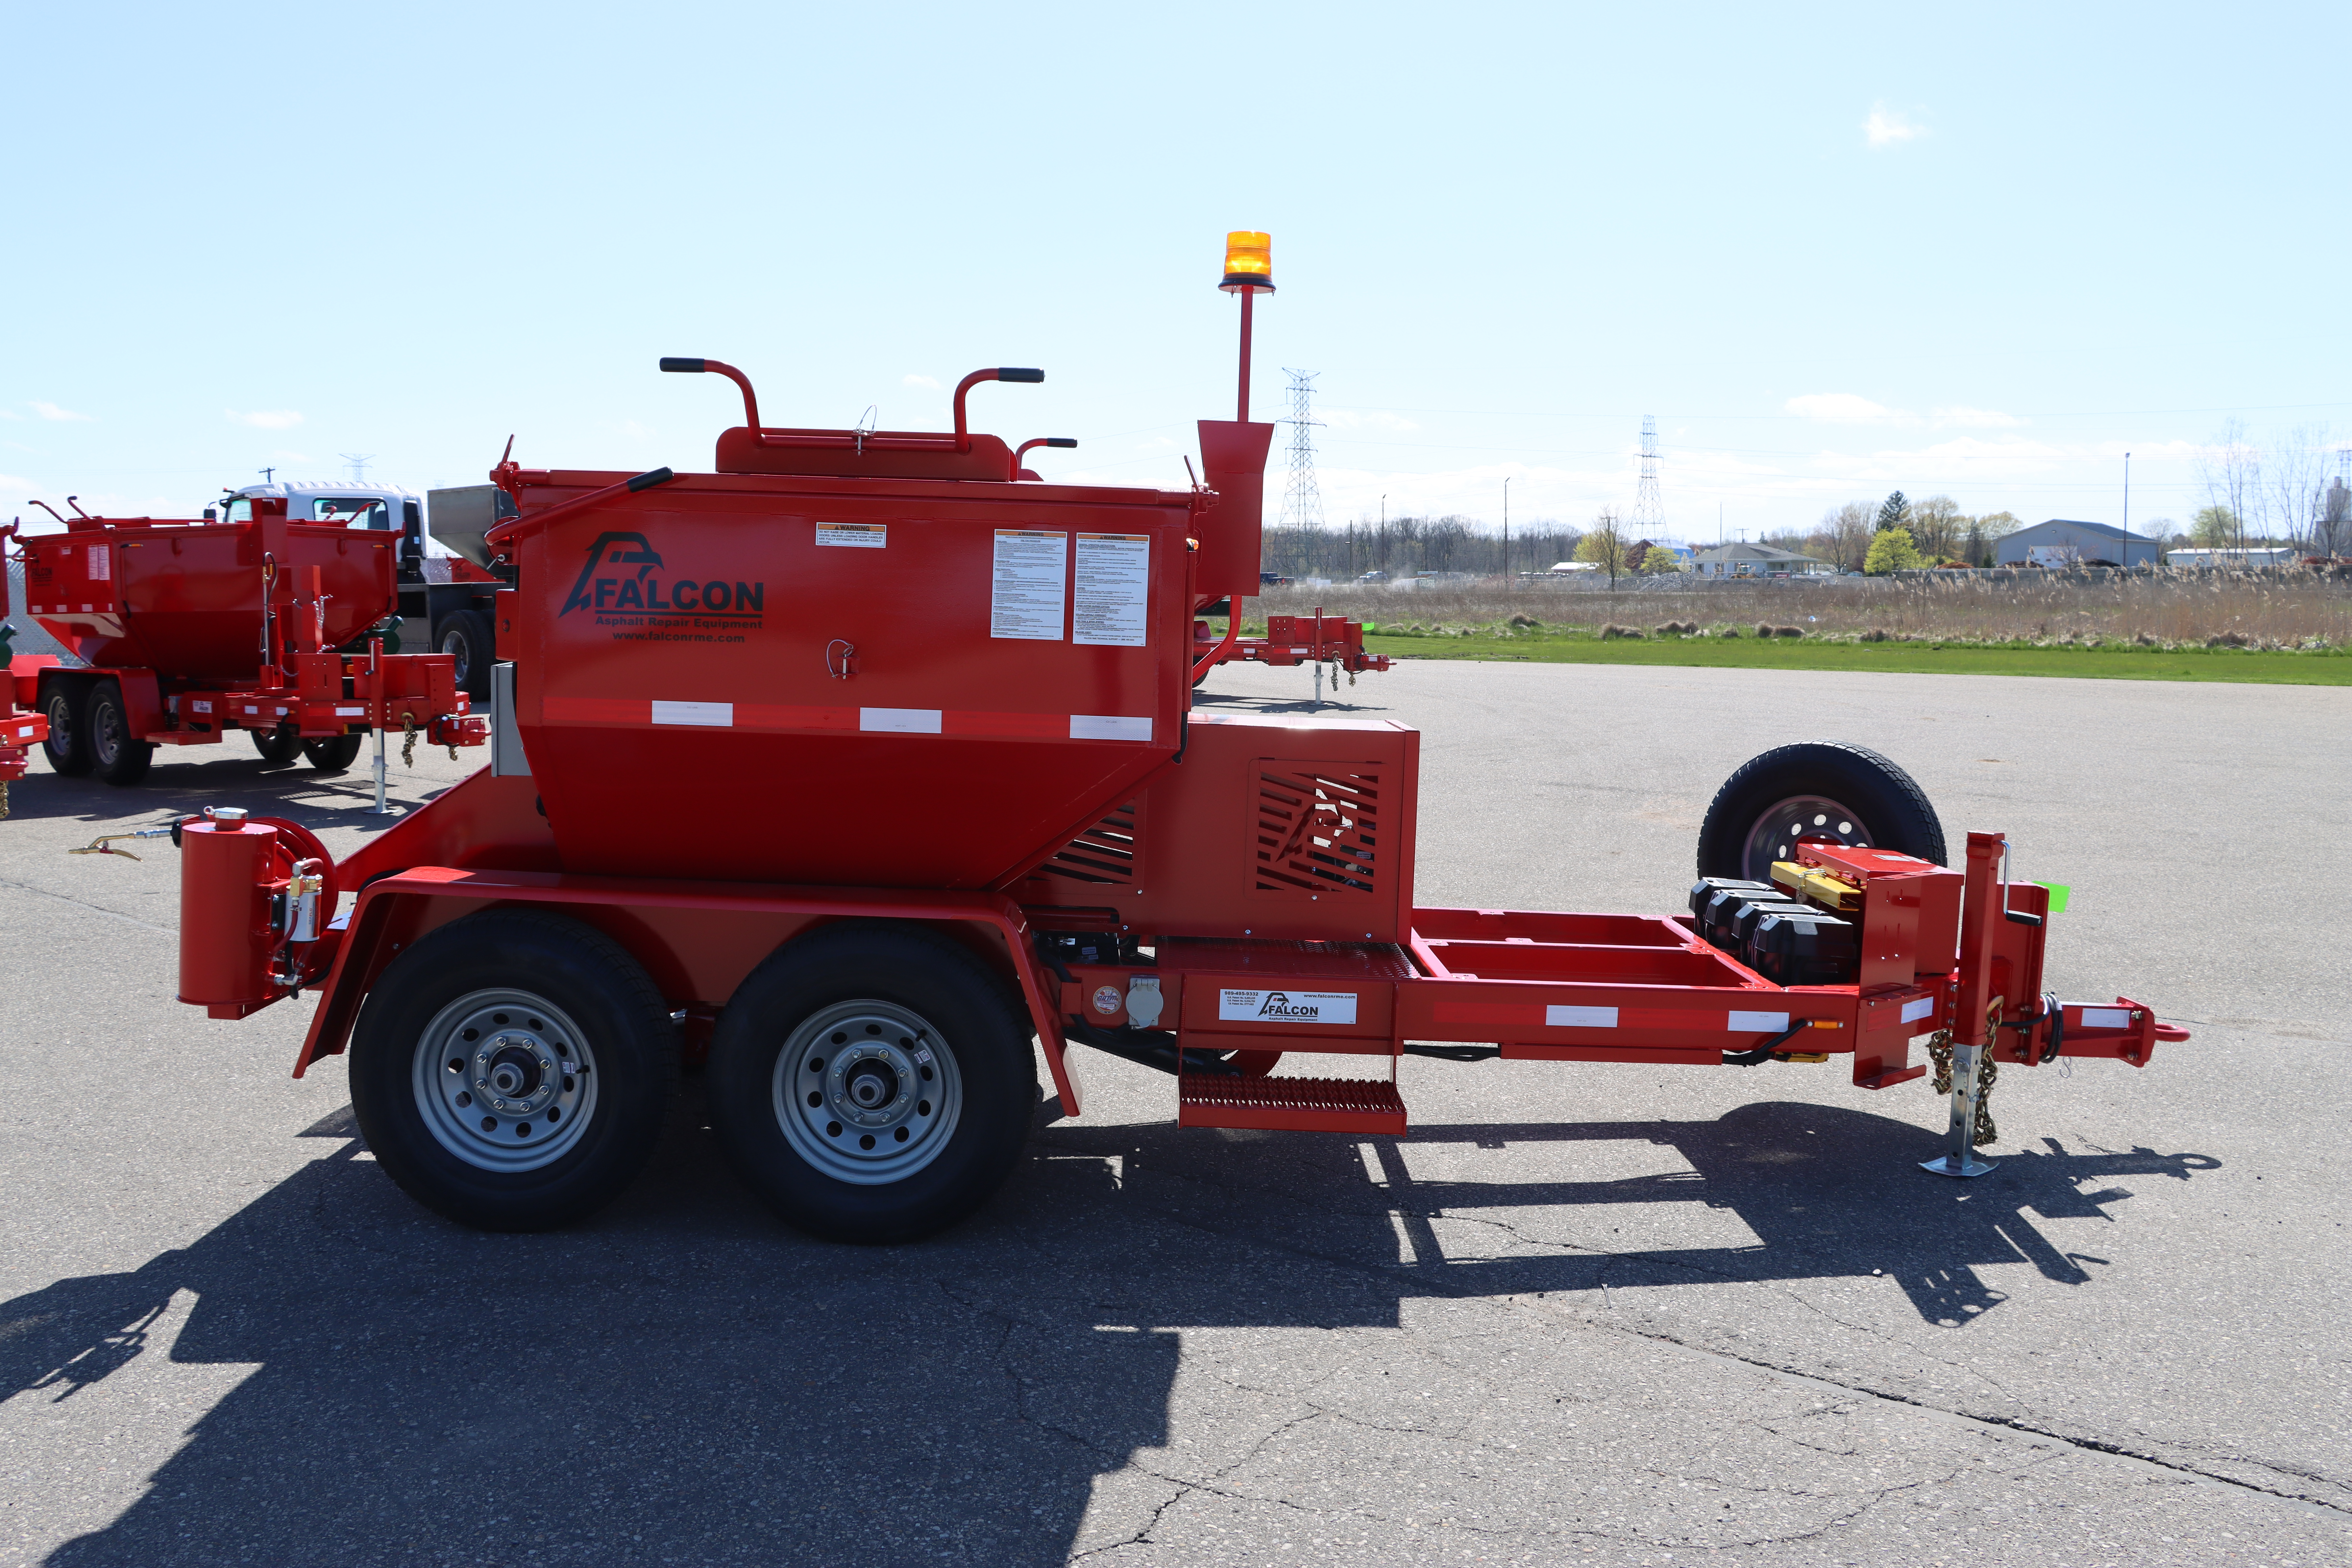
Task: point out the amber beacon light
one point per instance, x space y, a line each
1249 262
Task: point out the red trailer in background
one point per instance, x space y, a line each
21 725
190 630
858 764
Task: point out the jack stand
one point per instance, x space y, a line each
1318 689
381 808
1966 1088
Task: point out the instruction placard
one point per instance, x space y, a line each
1110 590
1025 597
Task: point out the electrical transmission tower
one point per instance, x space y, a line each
1302 501
1649 511
359 465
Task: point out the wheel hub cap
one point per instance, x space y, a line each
505 1080
866 1093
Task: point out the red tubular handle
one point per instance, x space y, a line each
998 372
676 365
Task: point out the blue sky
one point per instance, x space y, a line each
1977 251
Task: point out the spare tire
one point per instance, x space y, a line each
1815 789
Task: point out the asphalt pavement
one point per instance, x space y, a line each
1594 1313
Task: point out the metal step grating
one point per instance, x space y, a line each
1291 1104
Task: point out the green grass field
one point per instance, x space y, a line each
2333 667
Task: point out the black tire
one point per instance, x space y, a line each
333 753
282 745
1824 788
466 637
898 1005
568 996
116 754
67 746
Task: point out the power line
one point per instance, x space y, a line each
1302 500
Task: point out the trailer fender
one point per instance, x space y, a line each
142 702
393 912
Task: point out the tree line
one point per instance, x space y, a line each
1405 546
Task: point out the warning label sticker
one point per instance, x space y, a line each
1111 587
1288 1006
1025 597
859 535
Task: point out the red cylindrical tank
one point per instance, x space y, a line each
228 870
184 599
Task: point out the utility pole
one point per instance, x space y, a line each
2127 510
1506 530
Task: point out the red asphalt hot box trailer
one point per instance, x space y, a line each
859 762
191 630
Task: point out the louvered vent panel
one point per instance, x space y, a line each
1106 853
1318 830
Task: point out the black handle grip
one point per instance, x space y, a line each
2019 917
647 481
689 366
1006 373
1061 440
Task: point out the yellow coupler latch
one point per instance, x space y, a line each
1820 886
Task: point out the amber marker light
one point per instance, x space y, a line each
1249 262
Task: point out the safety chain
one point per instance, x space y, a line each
1939 1051
408 741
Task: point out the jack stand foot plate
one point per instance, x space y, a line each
1942 1165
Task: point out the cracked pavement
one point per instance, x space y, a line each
1597 1313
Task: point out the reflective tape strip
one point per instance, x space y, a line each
1757 1023
1579 1018
349 712
1913 1011
899 720
716 715
1109 727
2106 1018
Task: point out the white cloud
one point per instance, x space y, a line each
1885 127
1841 407
51 411
5 414
268 419
1977 418
923 381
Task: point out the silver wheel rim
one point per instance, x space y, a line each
61 735
453 643
1775 834
867 1092
505 1081
105 733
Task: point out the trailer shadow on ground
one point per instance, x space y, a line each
686 1381
295 791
